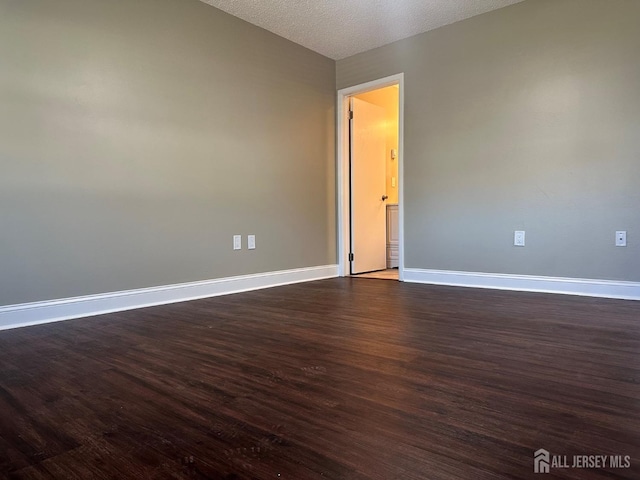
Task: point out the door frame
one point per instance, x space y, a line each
343 186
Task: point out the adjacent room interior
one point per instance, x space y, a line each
202 204
373 182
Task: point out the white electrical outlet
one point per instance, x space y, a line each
621 238
518 238
237 242
251 242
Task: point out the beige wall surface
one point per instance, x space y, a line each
387 98
137 137
525 118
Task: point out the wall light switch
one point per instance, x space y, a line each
621 238
518 238
393 182
251 242
237 242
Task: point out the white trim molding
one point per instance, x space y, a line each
26 314
342 178
526 283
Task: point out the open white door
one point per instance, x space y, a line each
368 186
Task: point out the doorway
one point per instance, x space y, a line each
370 127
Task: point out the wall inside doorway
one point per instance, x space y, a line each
388 99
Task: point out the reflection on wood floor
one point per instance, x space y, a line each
388 274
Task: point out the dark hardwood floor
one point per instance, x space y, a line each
337 379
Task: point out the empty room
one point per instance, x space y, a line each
348 240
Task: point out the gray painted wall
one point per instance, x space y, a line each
525 118
136 137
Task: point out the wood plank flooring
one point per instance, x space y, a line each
337 379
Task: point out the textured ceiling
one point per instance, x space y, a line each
340 28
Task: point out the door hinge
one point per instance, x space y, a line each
351 257
350 114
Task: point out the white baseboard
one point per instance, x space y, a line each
526 283
14 316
